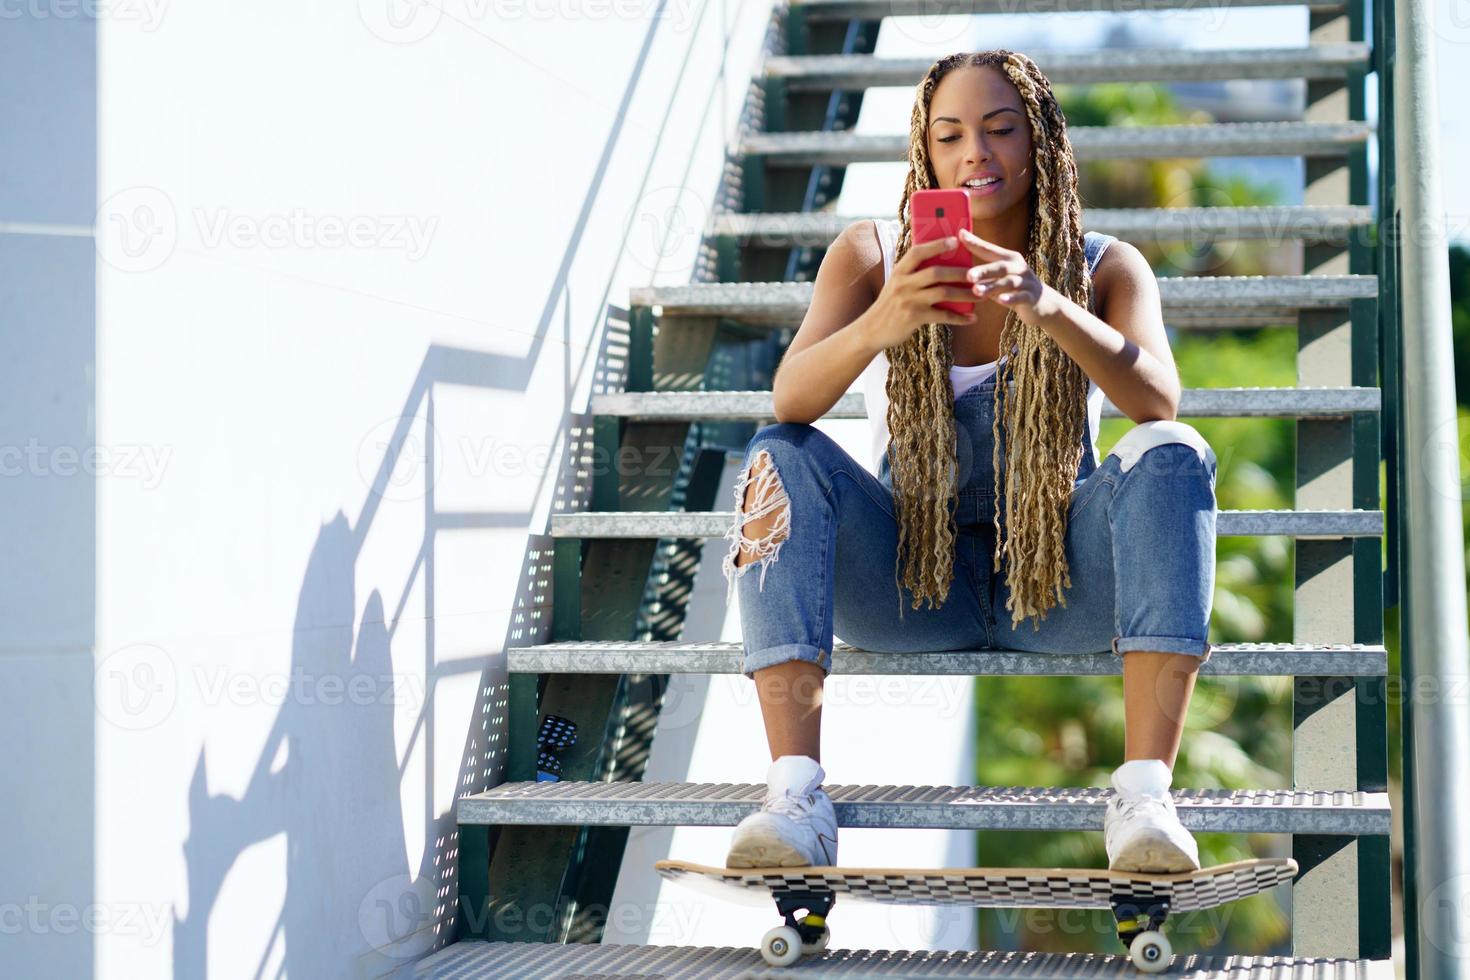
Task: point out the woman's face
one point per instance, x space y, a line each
978 126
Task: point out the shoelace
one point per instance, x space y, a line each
796 806
1128 804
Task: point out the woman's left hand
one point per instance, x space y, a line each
1004 277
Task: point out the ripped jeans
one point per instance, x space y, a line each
1140 547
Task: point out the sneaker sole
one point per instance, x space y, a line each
1153 854
758 850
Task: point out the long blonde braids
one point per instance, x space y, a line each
1039 391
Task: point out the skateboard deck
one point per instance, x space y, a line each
1140 901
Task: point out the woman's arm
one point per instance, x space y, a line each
1126 350
830 348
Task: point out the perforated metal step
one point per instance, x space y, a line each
1315 222
1296 403
852 72
473 960
677 657
1193 302
639 804
714 524
837 148
814 10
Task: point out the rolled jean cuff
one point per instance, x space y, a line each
771 656
1163 644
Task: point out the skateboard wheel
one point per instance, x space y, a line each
818 944
781 946
1150 951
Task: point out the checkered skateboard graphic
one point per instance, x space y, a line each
1004 887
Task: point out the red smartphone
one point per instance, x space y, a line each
940 213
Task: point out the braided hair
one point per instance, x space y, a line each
1038 387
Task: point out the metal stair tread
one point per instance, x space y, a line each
713 524
638 804
724 657
1238 402
1287 138
857 71
817 229
472 958
818 10
1185 299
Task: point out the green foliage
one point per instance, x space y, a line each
1460 314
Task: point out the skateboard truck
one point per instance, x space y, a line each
784 945
1140 921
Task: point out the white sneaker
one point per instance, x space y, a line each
795 825
1141 831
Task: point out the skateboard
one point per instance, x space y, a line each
1140 901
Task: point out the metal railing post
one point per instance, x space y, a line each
1433 608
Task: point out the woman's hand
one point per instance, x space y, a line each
1003 276
907 299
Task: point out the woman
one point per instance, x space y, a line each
990 473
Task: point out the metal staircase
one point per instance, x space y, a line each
538 859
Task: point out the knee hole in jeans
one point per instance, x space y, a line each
761 526
1138 445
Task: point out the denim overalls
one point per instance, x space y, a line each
1140 548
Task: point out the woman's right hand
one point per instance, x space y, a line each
907 299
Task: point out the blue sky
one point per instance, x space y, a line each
1206 26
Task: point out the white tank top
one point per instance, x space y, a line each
874 379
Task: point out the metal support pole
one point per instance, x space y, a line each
1435 624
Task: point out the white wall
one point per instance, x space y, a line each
302 597
47 494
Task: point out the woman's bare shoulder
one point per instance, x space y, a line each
862 253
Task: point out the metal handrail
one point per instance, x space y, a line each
1435 647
